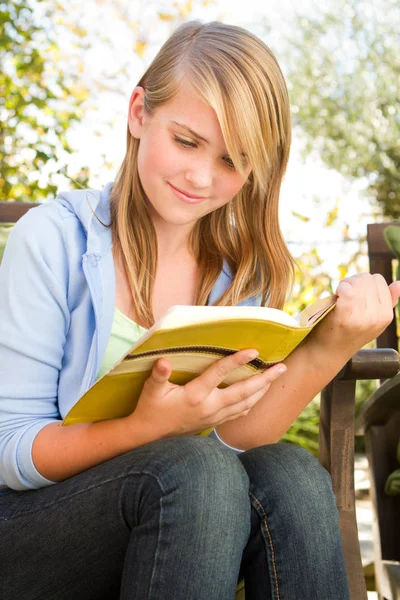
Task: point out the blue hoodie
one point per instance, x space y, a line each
57 298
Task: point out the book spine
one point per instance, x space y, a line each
213 350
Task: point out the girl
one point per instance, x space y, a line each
140 507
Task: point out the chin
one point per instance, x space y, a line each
176 215
179 219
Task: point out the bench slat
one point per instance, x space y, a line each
10 212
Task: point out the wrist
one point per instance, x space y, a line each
135 432
325 356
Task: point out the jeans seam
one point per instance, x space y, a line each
271 545
157 552
83 491
160 520
134 473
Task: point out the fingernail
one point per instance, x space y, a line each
280 370
252 355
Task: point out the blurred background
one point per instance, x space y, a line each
68 70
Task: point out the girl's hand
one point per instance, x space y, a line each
364 309
170 409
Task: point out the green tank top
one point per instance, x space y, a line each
124 333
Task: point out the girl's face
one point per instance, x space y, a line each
183 163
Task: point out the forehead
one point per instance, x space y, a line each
189 109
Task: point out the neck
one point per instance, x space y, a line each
173 241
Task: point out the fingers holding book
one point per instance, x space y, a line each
239 398
364 308
212 377
171 409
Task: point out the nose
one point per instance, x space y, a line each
200 176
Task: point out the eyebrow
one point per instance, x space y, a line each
193 133
198 136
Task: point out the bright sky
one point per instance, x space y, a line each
304 181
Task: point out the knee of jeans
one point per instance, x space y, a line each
290 472
206 462
203 468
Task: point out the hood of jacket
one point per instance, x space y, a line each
92 209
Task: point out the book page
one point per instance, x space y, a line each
179 316
312 313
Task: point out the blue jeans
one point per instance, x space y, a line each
183 518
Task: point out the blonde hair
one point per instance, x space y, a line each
235 73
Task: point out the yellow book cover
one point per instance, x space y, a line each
192 338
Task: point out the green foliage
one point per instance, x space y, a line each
344 70
5 230
304 431
364 390
38 103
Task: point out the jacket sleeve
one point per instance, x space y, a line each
34 320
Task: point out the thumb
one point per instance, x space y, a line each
394 289
161 371
345 290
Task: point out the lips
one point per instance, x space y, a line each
188 198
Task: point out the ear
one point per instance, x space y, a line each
136 112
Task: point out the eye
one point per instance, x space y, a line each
229 162
184 143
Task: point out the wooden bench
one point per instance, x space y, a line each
379 422
336 433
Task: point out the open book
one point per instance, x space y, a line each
192 338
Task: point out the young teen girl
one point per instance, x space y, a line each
141 507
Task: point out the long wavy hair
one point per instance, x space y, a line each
236 74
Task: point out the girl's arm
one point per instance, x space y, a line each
35 449
59 452
270 419
34 319
364 309
163 410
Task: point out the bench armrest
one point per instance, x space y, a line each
378 363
